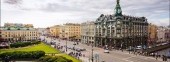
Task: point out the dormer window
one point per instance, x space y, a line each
9 28
18 29
27 28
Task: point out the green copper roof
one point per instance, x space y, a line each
118 11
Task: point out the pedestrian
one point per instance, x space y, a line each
122 50
156 55
163 58
83 55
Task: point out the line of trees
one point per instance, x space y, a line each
23 44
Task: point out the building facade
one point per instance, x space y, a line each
55 31
152 34
162 34
18 33
70 31
88 32
167 34
121 31
62 34
41 31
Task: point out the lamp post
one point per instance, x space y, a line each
74 46
92 53
66 43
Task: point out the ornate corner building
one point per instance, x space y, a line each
121 31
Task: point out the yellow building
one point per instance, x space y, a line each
70 31
152 33
19 34
55 31
62 34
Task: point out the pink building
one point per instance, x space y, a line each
162 34
167 35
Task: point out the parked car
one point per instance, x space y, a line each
83 49
139 47
106 50
130 49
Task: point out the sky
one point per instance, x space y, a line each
45 13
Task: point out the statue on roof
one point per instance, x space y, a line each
118 1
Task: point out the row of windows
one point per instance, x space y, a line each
121 35
125 30
73 27
20 35
28 38
74 30
85 37
18 32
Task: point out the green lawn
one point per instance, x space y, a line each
42 46
69 57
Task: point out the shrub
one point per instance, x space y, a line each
46 58
54 59
22 55
61 59
23 44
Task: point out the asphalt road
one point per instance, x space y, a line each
113 56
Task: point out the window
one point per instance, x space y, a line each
118 35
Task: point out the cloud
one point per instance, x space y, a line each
160 22
62 11
13 1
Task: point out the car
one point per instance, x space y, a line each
164 43
83 49
139 47
106 50
130 49
77 49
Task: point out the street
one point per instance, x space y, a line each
113 56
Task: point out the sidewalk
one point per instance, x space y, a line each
136 54
83 59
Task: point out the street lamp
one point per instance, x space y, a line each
66 44
74 43
122 46
74 47
92 53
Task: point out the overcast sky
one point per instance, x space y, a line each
44 13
